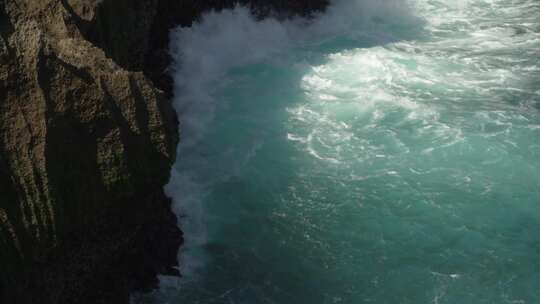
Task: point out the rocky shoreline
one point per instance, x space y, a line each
88 135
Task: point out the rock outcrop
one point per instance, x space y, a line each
85 149
87 138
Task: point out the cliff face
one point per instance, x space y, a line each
85 148
87 138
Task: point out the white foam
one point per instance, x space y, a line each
364 85
203 54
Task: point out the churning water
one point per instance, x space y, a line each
385 152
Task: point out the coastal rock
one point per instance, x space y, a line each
85 149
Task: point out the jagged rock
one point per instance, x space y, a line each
85 148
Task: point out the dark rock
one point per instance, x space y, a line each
85 149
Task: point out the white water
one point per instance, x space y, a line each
230 39
387 152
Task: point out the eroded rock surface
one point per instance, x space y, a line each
85 148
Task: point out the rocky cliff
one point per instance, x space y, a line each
87 137
85 148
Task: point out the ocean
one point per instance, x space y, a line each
381 152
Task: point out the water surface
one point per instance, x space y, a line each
388 152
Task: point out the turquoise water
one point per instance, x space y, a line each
388 152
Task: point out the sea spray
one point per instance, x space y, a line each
386 152
204 54
219 43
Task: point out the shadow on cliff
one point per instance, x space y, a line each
8 251
95 221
